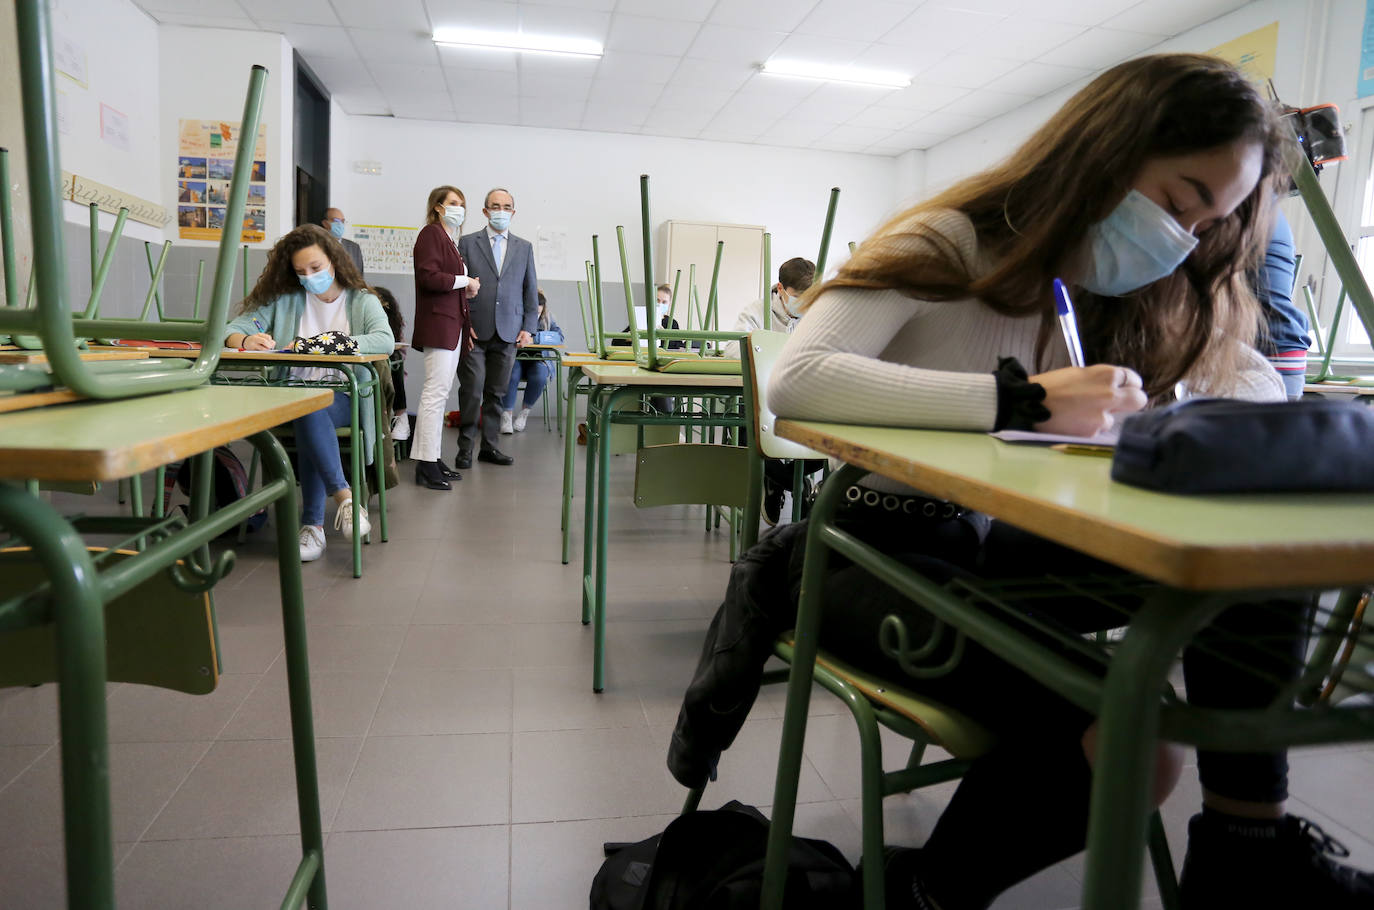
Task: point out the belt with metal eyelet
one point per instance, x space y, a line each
895 505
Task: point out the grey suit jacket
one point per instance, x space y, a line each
508 303
354 252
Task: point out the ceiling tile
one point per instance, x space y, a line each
693 98
494 15
680 122
230 9
625 65
687 10
987 104
546 66
992 7
486 109
713 75
422 106
1098 48
933 27
1037 78
315 40
468 84
395 47
301 12
362 103
626 92
857 135
565 21
799 132
650 36
778 91
720 135
720 42
406 77
783 15
839 102
558 120
198 20
908 60
615 118
343 76
553 88
815 49
738 125
1171 17
393 14
468 59
888 118
1080 13
947 122
918 138
854 20
603 5
1025 39
968 70
755 107
534 107
924 96
839 144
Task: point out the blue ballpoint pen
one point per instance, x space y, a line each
1063 307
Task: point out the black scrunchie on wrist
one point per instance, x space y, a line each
1020 402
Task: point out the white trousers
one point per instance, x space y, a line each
440 369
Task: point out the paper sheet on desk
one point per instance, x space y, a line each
1028 437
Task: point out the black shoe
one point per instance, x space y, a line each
426 475
1285 865
772 502
901 879
463 462
443 469
494 456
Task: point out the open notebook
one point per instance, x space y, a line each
1028 437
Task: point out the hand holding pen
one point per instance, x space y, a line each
260 341
1085 400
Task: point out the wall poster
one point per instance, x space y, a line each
386 248
205 165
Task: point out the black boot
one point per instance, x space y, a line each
427 475
445 471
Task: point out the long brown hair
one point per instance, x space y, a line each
1032 213
437 196
279 278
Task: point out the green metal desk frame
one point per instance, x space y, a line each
541 353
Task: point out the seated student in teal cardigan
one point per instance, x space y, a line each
310 287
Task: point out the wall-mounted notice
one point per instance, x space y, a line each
114 127
69 58
551 250
1253 53
387 248
1366 76
205 165
85 191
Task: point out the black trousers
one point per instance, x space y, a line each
483 377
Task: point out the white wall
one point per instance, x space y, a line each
119 74
204 75
586 182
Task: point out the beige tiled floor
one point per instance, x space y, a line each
464 761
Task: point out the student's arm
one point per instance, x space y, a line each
747 322
1254 380
257 322
374 335
829 370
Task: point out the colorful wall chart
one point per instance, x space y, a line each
1253 53
205 165
386 248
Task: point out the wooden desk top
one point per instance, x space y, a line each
107 440
623 373
1221 542
541 347
275 357
37 357
22 401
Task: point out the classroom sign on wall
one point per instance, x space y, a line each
1253 53
205 165
386 248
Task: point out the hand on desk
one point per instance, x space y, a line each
1085 401
259 342
523 339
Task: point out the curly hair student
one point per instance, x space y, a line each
1148 193
311 288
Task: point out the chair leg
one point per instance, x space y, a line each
871 824
1163 863
693 800
918 753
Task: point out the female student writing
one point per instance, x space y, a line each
1148 193
442 289
308 288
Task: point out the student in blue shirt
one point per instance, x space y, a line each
1287 339
535 374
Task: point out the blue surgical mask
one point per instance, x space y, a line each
1137 244
317 283
336 227
499 220
453 215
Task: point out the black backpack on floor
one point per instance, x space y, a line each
714 861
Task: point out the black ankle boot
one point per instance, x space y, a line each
427 475
445 471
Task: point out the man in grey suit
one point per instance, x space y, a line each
504 315
334 222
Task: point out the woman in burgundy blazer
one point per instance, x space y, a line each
442 289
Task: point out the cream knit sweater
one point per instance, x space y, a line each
880 357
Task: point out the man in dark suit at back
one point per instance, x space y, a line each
504 314
334 222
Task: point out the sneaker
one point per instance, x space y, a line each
581 434
521 419
343 520
312 543
772 502
1288 865
506 428
400 428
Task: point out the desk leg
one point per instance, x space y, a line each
357 480
379 447
80 621
277 467
594 430
569 448
558 385
1120 813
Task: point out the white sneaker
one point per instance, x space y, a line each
400 428
506 428
312 543
520 420
343 520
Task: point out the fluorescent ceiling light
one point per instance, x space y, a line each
517 41
827 72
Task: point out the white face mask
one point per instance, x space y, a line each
453 215
1137 244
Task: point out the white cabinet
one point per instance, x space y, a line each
741 265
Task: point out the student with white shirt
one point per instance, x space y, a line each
308 288
1148 193
794 277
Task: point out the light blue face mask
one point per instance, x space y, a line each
1137 244
499 220
317 283
336 227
